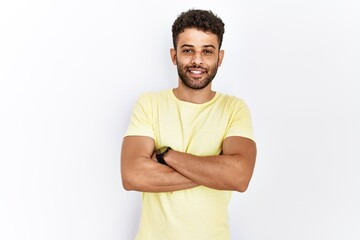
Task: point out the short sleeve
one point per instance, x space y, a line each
240 123
140 120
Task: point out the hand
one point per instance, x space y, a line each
153 156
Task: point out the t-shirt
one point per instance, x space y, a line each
198 213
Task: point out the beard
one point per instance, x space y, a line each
196 83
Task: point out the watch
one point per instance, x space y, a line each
160 154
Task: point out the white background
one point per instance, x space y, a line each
71 71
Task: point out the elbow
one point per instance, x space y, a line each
127 186
242 185
133 178
128 183
130 179
243 181
133 182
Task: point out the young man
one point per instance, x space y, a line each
189 147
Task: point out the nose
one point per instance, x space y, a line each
197 58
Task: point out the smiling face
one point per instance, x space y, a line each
197 57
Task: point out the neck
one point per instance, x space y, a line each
197 96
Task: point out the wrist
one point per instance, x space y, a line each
172 157
161 153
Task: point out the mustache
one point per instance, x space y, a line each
196 66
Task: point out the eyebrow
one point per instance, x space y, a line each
205 46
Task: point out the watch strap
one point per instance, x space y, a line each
161 153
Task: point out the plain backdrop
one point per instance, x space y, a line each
72 70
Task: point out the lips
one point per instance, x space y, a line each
196 72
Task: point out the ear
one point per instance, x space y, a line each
173 55
221 57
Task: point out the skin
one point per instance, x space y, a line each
197 57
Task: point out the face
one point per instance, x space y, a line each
197 57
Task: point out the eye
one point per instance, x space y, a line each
187 50
208 51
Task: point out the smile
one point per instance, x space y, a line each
196 71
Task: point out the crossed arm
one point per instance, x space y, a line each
232 170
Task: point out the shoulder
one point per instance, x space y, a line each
232 101
154 96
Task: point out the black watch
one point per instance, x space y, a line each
160 153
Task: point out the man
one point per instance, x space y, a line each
189 147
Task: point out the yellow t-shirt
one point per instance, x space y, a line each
199 213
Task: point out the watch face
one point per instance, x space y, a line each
161 150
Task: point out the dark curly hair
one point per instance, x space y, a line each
201 19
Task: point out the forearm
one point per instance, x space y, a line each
223 172
149 176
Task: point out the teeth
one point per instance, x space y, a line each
196 72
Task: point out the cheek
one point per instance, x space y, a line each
181 61
215 62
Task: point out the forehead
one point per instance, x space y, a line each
197 38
